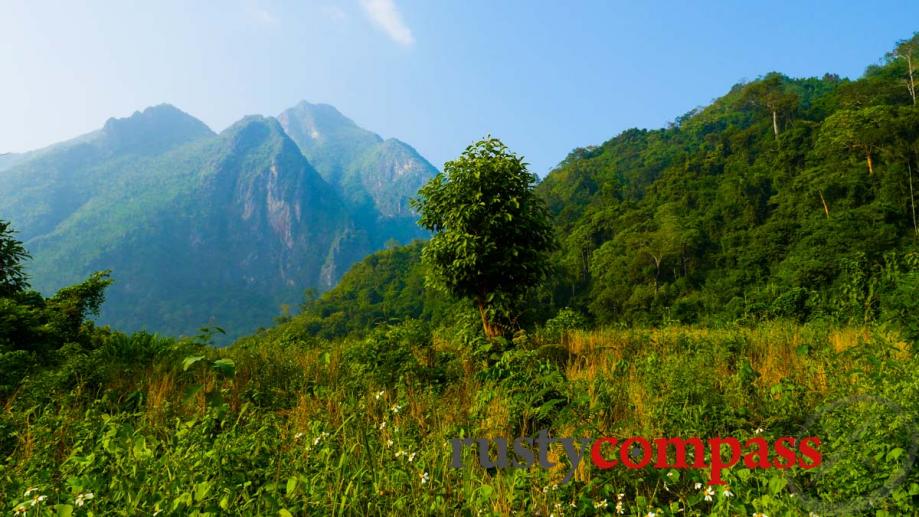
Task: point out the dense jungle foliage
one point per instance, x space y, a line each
752 270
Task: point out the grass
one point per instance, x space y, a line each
328 431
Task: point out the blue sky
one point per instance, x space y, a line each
545 77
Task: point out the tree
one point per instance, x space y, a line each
861 131
907 50
769 93
12 277
492 235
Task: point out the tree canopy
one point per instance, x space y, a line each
492 235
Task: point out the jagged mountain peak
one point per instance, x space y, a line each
152 130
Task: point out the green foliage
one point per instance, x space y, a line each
12 254
491 234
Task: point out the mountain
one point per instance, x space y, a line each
378 175
198 228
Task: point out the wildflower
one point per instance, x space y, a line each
395 408
30 490
759 430
400 453
38 499
619 497
760 514
709 492
389 443
651 514
600 505
319 438
425 478
698 486
21 509
619 508
382 425
727 493
380 394
411 457
82 498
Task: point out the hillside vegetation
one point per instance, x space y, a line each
750 271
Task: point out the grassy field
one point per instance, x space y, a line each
271 427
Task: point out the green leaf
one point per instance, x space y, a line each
894 454
291 486
283 512
190 360
776 484
225 366
63 510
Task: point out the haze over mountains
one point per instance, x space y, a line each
201 228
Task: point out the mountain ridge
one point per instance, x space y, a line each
205 228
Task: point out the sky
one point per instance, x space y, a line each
545 77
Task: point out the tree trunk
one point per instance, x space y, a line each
487 326
826 209
775 123
912 84
912 197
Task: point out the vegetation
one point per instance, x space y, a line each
749 271
491 234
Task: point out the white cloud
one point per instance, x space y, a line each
386 16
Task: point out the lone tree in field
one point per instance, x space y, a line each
491 233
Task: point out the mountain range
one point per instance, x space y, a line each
206 229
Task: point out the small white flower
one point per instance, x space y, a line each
380 394
382 425
30 490
759 430
82 498
411 457
619 497
389 443
709 492
600 505
573 504
400 453
651 514
298 436
425 478
698 486
395 408
619 508
727 493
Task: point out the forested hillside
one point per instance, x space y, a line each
785 198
